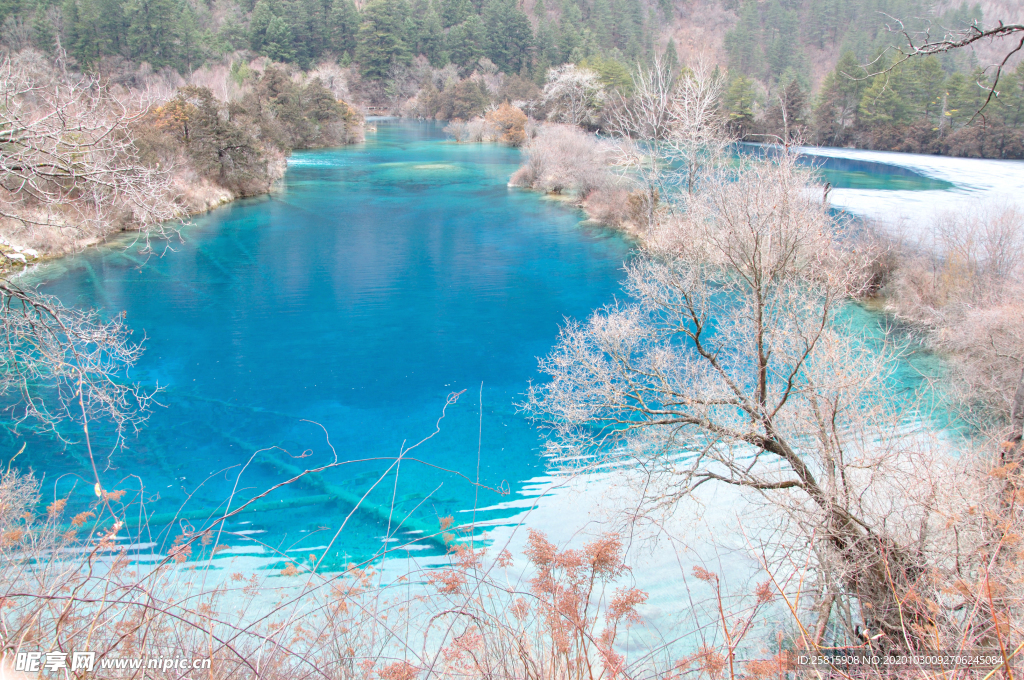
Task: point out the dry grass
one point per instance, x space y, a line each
965 291
83 583
564 613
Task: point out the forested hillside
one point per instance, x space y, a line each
814 70
820 71
781 40
378 36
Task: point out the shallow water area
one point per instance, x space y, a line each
906 192
335 317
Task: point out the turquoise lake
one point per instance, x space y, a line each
378 280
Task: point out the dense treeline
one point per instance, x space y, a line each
382 36
781 40
776 54
915 106
869 99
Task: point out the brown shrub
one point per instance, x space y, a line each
515 88
510 123
608 204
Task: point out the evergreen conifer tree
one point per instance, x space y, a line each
509 35
454 12
671 58
152 30
381 40
344 24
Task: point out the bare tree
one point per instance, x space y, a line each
564 159
698 138
964 291
646 113
69 163
69 169
61 364
573 94
670 131
643 122
732 365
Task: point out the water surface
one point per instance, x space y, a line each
377 281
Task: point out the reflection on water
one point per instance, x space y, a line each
351 303
377 281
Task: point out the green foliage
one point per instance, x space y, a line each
509 35
454 12
739 103
183 34
1008 107
382 41
882 103
915 106
429 36
921 104
671 57
921 82
743 42
463 100
270 34
294 116
466 42
613 74
219 147
839 100
231 143
153 27
914 90
240 71
43 33
786 117
771 40
344 24
781 51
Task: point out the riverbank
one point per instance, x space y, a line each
569 163
198 196
132 152
944 262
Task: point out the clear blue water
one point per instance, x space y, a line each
852 173
379 279
847 173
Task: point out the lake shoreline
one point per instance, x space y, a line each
204 196
420 269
